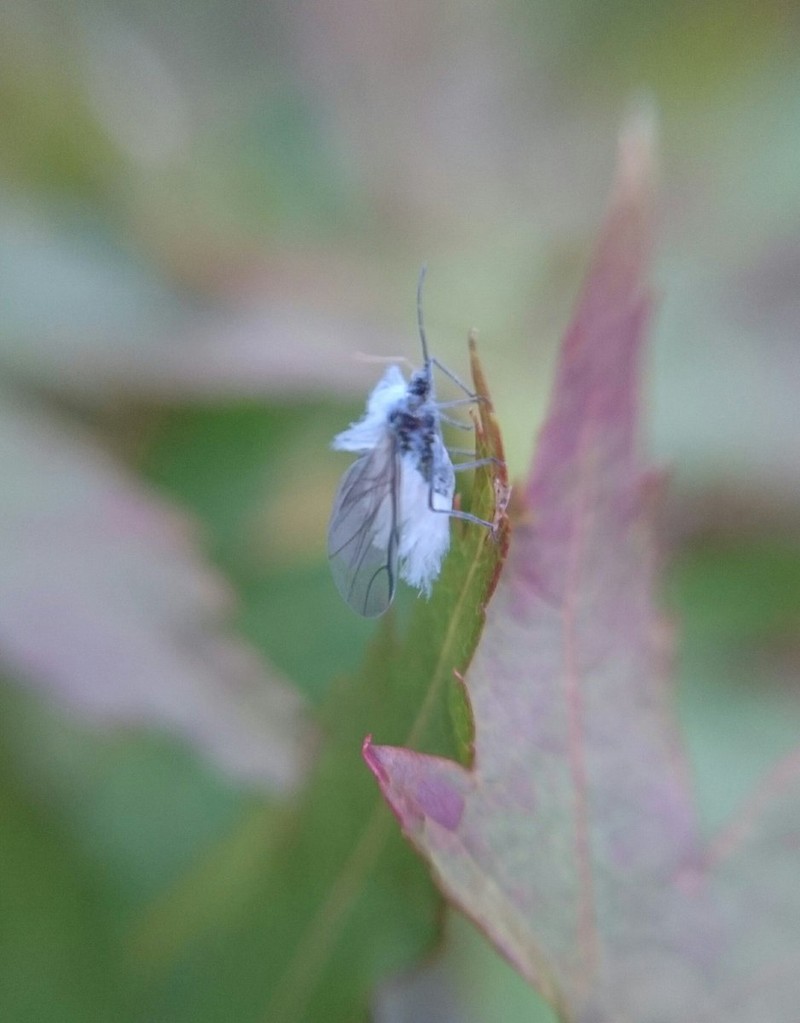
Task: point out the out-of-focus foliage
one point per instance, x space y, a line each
205 210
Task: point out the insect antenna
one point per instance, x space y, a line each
420 323
429 362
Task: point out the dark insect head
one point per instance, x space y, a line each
419 386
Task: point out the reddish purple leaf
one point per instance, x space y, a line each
572 840
106 605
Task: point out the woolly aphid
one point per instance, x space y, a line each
391 514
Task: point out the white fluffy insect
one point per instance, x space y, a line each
391 515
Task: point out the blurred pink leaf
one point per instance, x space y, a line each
107 605
85 320
572 840
276 348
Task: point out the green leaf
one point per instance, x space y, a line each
57 955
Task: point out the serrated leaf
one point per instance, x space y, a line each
573 841
338 901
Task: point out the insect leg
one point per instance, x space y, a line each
459 383
456 513
460 401
476 463
455 422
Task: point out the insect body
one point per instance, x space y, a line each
391 515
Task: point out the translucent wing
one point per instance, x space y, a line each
363 531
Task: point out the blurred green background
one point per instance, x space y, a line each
206 211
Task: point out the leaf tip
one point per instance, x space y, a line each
417 787
637 148
371 756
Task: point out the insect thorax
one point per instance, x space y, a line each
415 423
